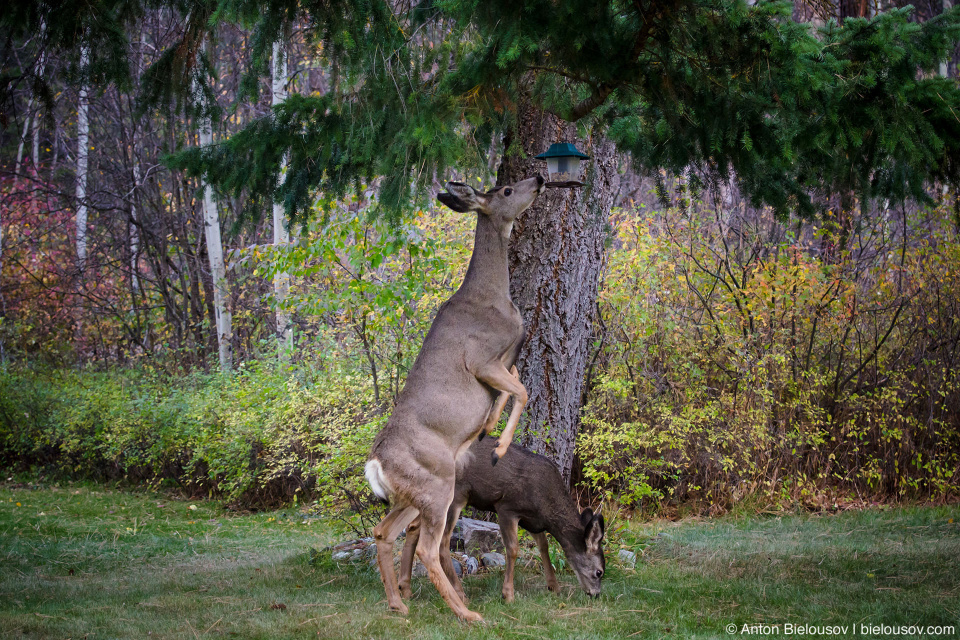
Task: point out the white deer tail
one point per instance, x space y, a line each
378 482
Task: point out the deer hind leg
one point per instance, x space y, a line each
497 376
511 544
445 560
548 573
432 520
410 549
406 558
385 533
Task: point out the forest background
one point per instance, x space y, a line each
752 300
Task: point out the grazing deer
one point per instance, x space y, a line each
525 489
455 390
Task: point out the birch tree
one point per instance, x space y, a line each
134 231
41 69
211 228
23 136
281 234
83 137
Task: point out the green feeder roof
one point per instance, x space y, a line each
561 150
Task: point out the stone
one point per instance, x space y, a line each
627 558
471 565
491 559
350 545
457 567
342 555
475 537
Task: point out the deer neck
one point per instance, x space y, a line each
488 276
567 529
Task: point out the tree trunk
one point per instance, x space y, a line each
83 146
134 230
945 64
23 138
281 235
41 69
852 8
557 252
218 273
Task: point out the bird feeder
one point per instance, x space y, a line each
563 165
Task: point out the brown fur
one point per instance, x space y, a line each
525 489
451 390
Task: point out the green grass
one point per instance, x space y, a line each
86 561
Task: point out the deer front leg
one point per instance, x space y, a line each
548 573
508 529
497 376
494 414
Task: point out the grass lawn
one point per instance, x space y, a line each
84 561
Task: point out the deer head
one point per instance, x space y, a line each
589 563
501 204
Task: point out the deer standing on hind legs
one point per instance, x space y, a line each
452 391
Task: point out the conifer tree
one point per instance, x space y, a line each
793 114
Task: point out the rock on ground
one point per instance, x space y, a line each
476 537
490 560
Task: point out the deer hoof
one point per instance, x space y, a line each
480 435
400 608
494 458
472 616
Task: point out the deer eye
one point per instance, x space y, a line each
599 573
507 191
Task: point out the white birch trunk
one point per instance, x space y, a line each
211 228
945 65
41 69
281 235
134 230
35 158
23 138
137 55
83 144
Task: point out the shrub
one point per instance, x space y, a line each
734 361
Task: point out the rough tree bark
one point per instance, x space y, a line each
281 235
557 253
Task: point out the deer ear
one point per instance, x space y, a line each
462 197
586 517
453 202
594 534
